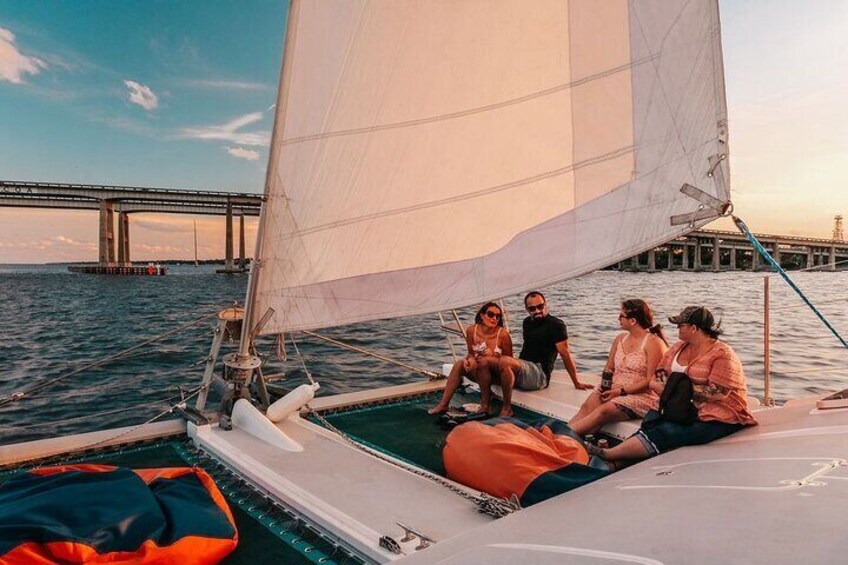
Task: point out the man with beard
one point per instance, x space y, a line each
545 336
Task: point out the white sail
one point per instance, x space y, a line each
430 154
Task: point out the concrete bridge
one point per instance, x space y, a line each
125 200
714 250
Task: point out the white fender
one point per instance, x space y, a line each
247 418
292 402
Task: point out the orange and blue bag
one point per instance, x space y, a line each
103 514
505 456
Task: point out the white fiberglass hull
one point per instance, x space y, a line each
773 493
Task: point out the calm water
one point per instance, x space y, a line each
55 322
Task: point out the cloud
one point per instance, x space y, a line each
229 84
242 153
13 63
163 225
142 95
228 131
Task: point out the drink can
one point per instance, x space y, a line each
606 380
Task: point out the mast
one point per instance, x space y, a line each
256 263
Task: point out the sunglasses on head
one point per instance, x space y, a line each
538 307
493 314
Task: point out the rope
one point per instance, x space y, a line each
486 504
302 361
429 374
94 415
280 347
779 270
70 455
14 397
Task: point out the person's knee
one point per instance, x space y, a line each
608 410
505 364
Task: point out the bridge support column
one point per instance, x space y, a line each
697 263
810 261
755 260
228 263
832 263
776 253
107 233
123 239
733 258
241 262
684 263
652 260
716 255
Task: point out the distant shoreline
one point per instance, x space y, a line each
161 262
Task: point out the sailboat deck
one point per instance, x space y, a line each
343 489
773 493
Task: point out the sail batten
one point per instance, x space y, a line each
437 153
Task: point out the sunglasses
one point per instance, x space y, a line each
493 314
622 316
538 307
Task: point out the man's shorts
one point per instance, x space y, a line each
530 376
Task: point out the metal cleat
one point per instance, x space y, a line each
410 534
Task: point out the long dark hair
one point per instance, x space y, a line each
640 311
478 319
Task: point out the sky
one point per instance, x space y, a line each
181 95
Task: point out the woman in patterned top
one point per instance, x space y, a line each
633 358
720 393
487 341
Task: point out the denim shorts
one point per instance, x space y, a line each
659 435
530 376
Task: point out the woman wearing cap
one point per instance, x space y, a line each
633 358
487 341
719 392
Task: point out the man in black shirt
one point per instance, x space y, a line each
544 337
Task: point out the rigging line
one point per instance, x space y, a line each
429 374
774 264
36 388
69 455
820 302
302 360
821 267
486 504
97 414
809 370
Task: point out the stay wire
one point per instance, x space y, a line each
779 270
15 397
429 374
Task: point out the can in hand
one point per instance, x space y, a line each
606 381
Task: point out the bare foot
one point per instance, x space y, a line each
506 412
439 409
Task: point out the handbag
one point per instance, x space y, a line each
676 403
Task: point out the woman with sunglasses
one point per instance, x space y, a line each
633 358
487 341
719 393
